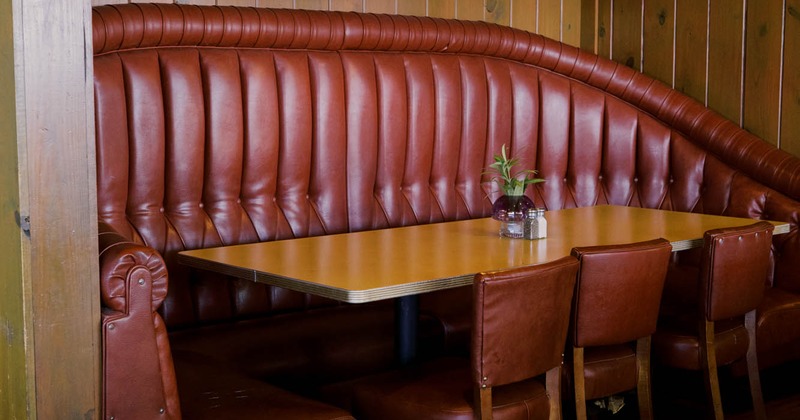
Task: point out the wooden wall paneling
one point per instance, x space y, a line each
102 2
55 138
604 32
311 4
277 4
658 58
441 8
249 3
690 48
420 8
549 18
498 11
626 47
725 55
16 349
381 6
170 1
347 5
470 9
790 108
762 68
523 14
588 30
571 22
197 2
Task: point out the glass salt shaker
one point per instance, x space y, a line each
541 224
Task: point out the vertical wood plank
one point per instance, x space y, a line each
588 31
659 34
523 14
347 5
790 109
549 18
498 11
311 4
469 9
102 2
571 22
626 40
604 28
16 349
55 138
442 8
690 48
277 4
725 56
249 3
197 2
418 8
380 6
762 68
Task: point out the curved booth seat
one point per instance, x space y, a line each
228 125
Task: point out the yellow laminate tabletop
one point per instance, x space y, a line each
382 264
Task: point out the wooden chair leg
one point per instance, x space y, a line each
643 378
578 379
710 368
483 398
759 409
554 392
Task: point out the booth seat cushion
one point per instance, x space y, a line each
211 390
302 350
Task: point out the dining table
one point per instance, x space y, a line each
403 262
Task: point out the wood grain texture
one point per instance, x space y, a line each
588 31
278 4
470 9
604 29
310 4
55 120
659 37
690 48
347 5
381 6
790 108
498 11
16 351
549 18
725 56
762 69
571 22
523 14
442 8
249 3
419 7
626 43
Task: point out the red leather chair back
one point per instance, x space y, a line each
618 292
520 321
734 269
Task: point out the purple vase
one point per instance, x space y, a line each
510 211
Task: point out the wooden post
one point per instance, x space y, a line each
49 297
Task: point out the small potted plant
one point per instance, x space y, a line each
511 208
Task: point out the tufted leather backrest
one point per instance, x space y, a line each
223 125
734 267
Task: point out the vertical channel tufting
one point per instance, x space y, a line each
387 120
392 137
328 188
419 149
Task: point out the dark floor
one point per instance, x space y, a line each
681 395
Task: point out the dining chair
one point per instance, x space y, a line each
520 321
720 327
614 314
